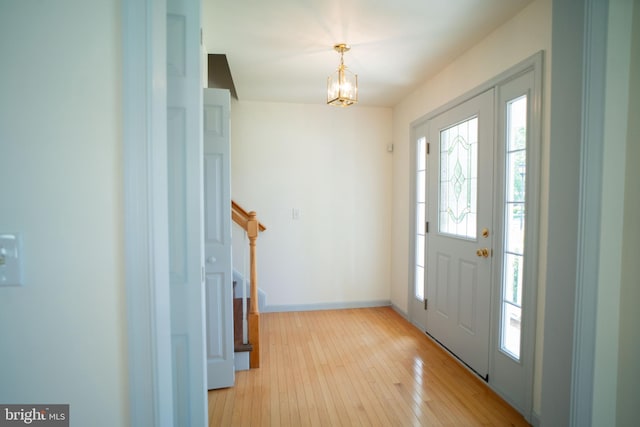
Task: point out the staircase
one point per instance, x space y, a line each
241 347
251 343
238 345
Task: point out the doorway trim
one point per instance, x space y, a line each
533 64
146 212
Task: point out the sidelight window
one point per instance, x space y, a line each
514 220
421 214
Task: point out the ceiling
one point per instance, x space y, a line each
282 50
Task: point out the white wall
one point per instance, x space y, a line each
525 34
63 332
331 164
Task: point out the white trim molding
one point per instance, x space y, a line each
145 215
593 101
325 306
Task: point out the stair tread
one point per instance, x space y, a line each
240 347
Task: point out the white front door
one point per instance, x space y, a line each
459 236
217 239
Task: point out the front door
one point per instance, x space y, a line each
459 236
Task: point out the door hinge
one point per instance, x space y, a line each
428 147
426 303
426 227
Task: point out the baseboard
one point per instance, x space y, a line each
325 306
402 313
241 361
535 419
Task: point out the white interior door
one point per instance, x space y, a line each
459 239
217 239
184 170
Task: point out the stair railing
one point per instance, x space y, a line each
249 223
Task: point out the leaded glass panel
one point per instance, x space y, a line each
458 202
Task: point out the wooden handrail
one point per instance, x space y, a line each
249 222
240 216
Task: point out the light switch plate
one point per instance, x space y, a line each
10 259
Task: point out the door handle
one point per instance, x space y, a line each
484 252
211 260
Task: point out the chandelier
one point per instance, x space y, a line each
342 86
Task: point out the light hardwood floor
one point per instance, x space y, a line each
360 367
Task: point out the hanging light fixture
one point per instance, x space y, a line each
342 86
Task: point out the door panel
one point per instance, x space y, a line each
217 239
460 203
468 302
215 303
442 290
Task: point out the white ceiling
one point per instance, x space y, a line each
282 50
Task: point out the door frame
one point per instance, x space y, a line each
146 245
534 64
146 213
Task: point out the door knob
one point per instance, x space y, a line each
484 252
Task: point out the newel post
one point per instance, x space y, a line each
254 314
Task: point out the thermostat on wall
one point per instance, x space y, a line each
10 260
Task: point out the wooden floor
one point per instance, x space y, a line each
360 367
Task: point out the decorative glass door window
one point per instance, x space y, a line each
514 225
459 179
421 214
